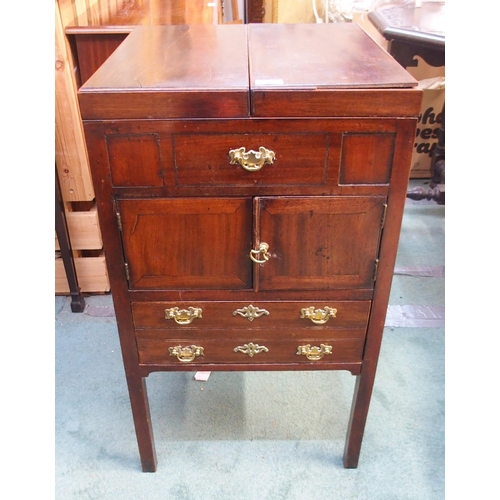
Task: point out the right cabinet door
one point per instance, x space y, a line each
318 243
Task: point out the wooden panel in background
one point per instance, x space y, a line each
84 230
92 275
71 154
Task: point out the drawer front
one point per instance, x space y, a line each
238 160
192 352
314 154
315 315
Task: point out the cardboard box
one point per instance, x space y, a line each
431 80
426 137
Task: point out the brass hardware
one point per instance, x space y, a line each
186 354
253 160
183 316
251 349
251 312
375 270
314 353
318 316
127 272
119 221
263 249
382 223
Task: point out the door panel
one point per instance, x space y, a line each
318 243
187 243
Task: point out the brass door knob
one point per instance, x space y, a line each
262 250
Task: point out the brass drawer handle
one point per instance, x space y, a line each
251 312
251 349
263 249
186 354
314 353
183 316
253 160
318 316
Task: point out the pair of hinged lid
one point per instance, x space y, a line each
256 70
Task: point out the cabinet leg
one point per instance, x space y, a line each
357 420
142 422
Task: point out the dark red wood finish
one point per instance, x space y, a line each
93 49
187 243
350 314
180 220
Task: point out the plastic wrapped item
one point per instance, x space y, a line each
333 11
380 4
341 11
411 316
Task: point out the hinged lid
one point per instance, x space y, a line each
264 70
320 56
178 71
332 69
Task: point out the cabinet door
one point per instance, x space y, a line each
318 243
187 243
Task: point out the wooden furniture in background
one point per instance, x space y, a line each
254 11
75 180
251 197
411 32
86 33
64 245
71 155
100 30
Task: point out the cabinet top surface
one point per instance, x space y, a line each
220 57
183 57
310 56
228 71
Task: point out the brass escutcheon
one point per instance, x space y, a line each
183 316
318 316
253 160
250 312
314 353
186 354
263 249
251 349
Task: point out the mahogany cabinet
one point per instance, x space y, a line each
250 183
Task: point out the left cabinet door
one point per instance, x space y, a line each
187 243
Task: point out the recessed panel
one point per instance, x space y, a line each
319 243
187 243
134 160
366 158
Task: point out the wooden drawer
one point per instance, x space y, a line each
296 159
265 315
188 155
230 351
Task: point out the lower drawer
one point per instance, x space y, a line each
183 351
259 314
